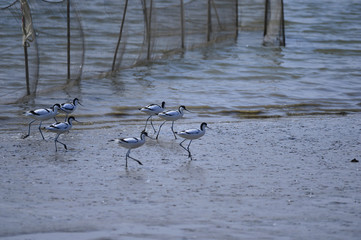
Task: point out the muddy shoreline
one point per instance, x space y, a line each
289 178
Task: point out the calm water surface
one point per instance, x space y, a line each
318 72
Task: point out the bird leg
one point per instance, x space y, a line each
182 145
190 155
187 149
146 123
40 130
29 129
159 129
56 140
126 159
135 160
173 130
151 123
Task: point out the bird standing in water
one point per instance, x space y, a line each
42 114
152 110
131 143
59 128
171 115
68 108
192 134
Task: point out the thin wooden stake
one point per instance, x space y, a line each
265 17
120 35
182 22
236 18
209 22
26 60
149 28
283 27
26 68
68 38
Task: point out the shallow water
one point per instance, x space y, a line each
316 73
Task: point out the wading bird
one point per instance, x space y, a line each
69 107
59 128
42 115
130 143
152 110
191 134
171 115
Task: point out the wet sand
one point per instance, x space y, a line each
286 178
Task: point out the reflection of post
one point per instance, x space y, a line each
274 33
182 22
120 35
68 37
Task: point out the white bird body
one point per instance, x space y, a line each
42 114
69 107
131 143
171 115
191 134
152 110
59 128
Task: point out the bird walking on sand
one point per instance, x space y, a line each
191 134
152 110
171 115
69 107
42 114
59 128
131 143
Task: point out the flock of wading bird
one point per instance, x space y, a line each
129 143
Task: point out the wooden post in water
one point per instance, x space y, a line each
149 28
26 68
274 32
120 35
265 17
236 18
28 35
283 26
68 38
209 21
182 22
26 44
